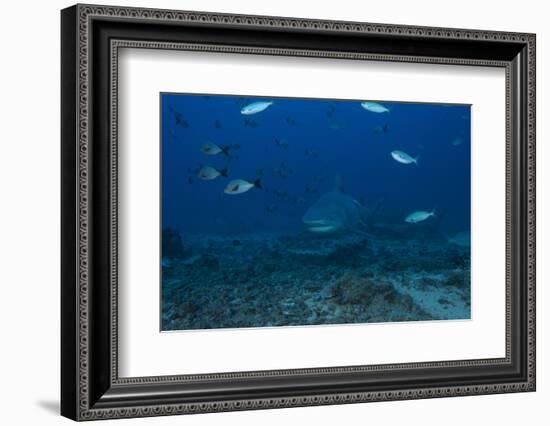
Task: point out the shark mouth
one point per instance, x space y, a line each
321 226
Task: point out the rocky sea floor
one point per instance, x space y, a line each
270 280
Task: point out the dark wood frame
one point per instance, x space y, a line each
90 386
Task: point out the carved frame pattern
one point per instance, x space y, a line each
85 13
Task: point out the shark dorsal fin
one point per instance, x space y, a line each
338 186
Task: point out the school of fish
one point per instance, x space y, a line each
336 209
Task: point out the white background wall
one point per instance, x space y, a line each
29 212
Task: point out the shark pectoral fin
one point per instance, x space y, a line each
363 223
357 203
359 232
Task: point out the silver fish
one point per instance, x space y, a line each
374 107
255 107
404 158
381 129
210 173
211 148
462 239
282 143
419 216
240 186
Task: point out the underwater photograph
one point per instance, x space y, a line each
284 211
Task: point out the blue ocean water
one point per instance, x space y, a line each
296 150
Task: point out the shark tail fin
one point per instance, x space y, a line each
338 183
258 183
225 150
433 214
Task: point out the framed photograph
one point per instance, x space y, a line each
263 212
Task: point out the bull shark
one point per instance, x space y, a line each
336 212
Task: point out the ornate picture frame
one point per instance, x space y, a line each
91 38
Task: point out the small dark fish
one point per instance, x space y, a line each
291 121
271 209
311 153
283 170
279 172
295 200
180 120
335 124
236 243
190 180
218 124
281 194
248 122
281 143
381 129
